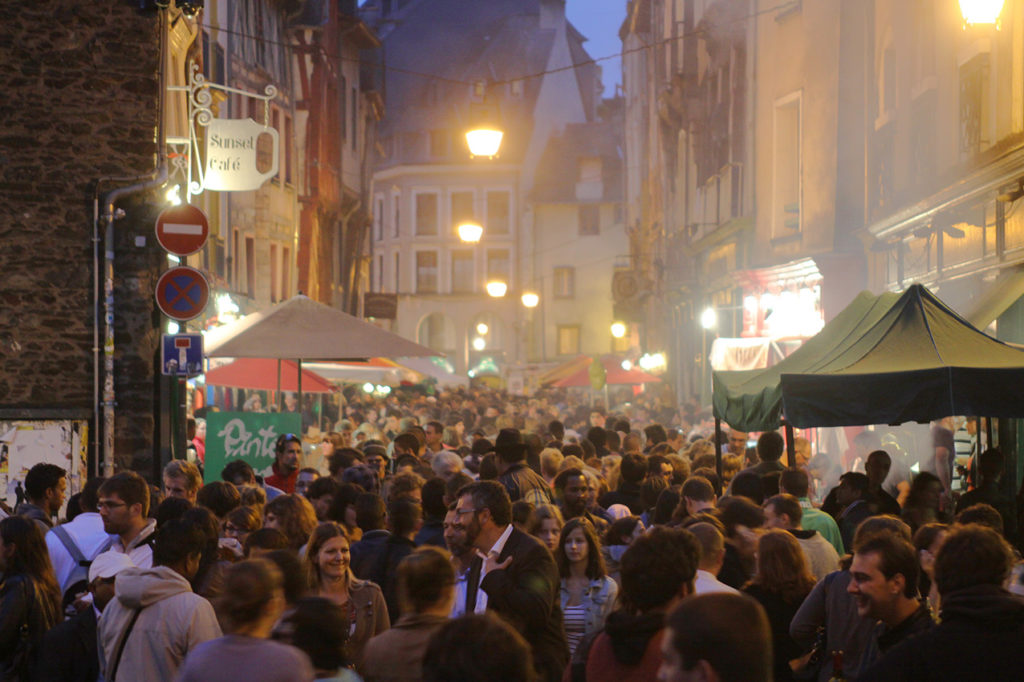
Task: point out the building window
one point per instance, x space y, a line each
396 208
462 208
426 214
564 282
568 339
380 273
398 274
498 266
343 106
378 219
250 267
463 281
439 144
274 274
590 219
974 77
786 169
355 119
275 123
426 272
289 135
497 212
286 272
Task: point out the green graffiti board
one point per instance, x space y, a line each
245 435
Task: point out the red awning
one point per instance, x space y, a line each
261 374
614 375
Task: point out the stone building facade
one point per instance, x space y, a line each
80 114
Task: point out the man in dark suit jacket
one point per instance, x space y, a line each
520 579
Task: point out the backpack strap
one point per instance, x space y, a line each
121 645
69 544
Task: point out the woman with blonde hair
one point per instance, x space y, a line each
293 515
781 583
546 524
330 575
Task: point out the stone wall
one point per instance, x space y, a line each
80 102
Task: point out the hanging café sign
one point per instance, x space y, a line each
240 154
234 154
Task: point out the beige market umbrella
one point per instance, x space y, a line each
304 329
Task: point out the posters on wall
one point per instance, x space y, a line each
249 436
25 443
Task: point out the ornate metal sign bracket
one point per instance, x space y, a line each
200 113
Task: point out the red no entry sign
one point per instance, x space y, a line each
182 230
182 293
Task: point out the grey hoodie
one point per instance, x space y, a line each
173 620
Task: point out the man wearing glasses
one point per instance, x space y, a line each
123 505
513 575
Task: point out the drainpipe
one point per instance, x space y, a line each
155 178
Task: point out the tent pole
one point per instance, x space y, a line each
988 431
790 446
718 448
279 395
300 405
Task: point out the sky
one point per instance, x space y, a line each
599 21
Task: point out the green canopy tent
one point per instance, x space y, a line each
751 400
920 361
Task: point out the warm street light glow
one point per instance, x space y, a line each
173 195
618 329
368 387
479 344
530 299
482 329
496 289
627 365
470 232
981 11
709 318
484 141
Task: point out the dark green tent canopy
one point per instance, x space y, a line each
751 400
921 361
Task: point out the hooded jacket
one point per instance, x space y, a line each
172 621
978 639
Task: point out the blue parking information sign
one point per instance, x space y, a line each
181 355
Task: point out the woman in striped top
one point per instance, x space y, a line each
587 593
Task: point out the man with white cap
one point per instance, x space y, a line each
70 648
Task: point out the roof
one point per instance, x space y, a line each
558 170
921 361
436 48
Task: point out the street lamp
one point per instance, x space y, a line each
482 328
618 330
530 299
470 232
981 11
479 343
708 318
496 288
484 141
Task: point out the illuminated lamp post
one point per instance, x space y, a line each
981 12
470 232
496 289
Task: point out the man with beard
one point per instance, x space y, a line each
123 506
288 451
462 558
572 491
513 575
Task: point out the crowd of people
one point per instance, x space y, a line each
472 536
